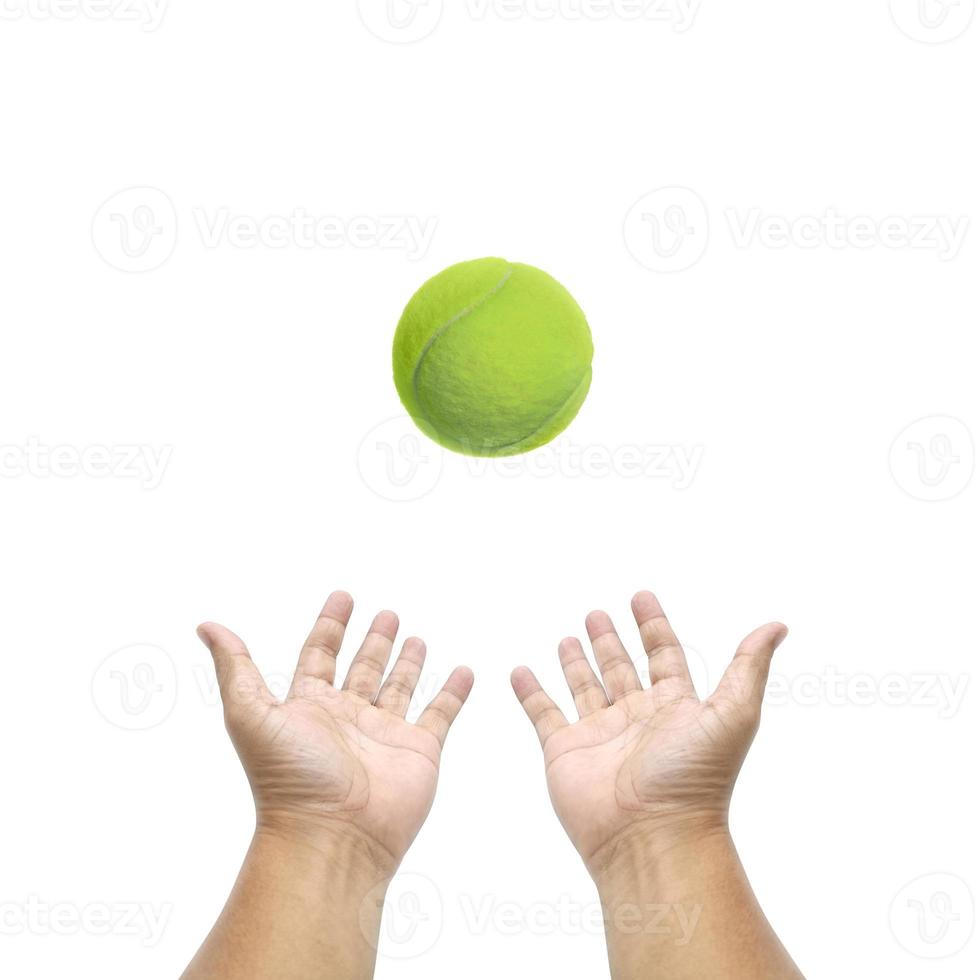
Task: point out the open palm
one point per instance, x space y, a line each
329 758
645 759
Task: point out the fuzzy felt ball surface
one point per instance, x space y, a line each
492 358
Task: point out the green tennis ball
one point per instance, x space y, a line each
492 358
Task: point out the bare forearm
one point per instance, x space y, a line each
686 911
297 910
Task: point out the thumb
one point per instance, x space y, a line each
239 680
744 682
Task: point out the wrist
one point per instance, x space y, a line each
338 870
302 904
679 904
334 852
655 853
657 887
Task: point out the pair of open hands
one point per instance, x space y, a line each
638 764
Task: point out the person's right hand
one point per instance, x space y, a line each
647 767
333 763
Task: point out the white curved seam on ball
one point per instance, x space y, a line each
549 419
472 308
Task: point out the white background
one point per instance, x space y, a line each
259 375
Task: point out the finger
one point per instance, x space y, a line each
589 694
239 680
664 651
618 673
545 715
318 658
368 666
744 682
445 706
398 688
